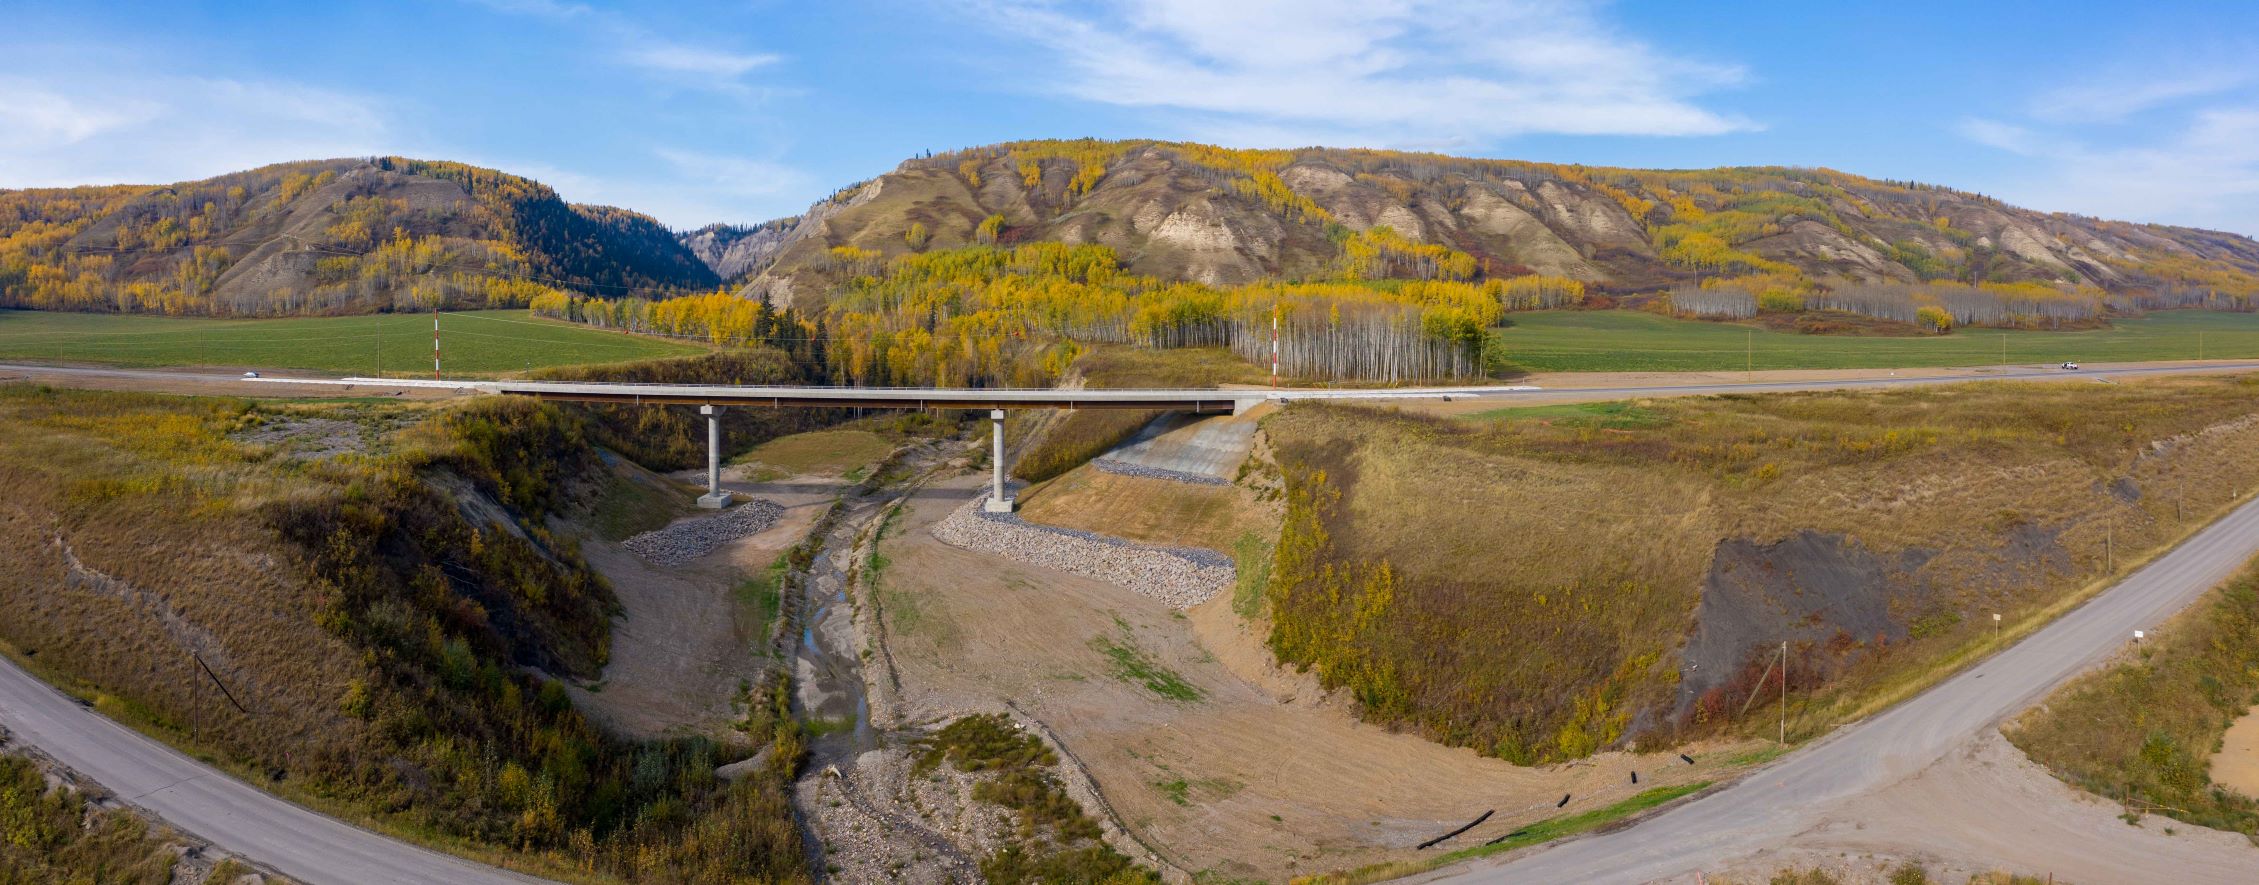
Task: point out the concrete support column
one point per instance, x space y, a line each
997 503
715 498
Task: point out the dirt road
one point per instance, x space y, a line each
1859 764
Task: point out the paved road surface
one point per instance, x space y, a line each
1777 802
235 816
1697 382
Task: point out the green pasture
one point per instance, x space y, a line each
485 342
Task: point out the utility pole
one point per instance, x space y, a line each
1749 354
2004 350
1784 692
2200 344
1274 345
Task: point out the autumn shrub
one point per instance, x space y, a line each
56 835
1055 841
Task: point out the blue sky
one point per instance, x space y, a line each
697 112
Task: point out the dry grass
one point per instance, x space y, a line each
55 835
1581 540
1155 511
380 617
2140 731
820 452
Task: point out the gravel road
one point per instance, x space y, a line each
226 812
1794 794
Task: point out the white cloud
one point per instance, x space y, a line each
2113 98
735 175
32 117
705 67
2005 136
670 57
685 189
540 8
1382 72
85 129
2201 170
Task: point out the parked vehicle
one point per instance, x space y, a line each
2070 367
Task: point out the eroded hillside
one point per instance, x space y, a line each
1646 561
328 236
1199 213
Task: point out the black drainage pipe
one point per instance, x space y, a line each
1470 825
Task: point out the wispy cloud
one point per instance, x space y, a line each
1386 72
84 128
2200 168
700 66
2164 139
2112 98
685 188
662 56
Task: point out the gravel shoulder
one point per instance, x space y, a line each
1987 807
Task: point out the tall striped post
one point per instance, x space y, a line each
435 347
1274 345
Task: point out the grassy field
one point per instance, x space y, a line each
1589 538
1629 341
473 342
824 452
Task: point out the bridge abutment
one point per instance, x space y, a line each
997 502
715 498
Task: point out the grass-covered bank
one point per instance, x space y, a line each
2140 731
483 342
379 589
1633 341
1643 562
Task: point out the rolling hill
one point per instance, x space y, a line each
1198 213
326 237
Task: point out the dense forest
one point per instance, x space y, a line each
326 237
990 315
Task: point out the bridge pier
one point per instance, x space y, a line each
715 498
997 502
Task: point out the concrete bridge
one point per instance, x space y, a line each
711 399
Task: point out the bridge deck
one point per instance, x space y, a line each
1210 401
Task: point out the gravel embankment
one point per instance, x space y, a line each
687 540
1182 577
1126 468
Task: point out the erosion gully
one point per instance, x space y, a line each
827 660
